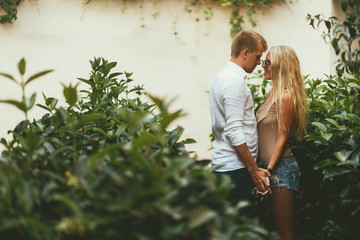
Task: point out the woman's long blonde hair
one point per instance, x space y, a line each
286 75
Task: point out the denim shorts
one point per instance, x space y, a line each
285 174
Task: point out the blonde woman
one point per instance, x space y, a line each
283 111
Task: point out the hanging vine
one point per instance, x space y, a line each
236 18
10 9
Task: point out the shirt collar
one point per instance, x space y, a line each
237 68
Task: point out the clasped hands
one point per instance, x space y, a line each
262 183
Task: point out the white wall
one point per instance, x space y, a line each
52 34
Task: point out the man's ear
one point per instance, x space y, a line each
245 53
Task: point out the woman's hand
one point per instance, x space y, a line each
261 181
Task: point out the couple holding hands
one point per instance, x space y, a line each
241 137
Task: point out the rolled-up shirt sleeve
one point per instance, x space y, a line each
234 101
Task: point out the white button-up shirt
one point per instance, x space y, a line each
232 116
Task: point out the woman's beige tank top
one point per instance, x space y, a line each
268 130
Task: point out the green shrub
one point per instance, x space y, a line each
329 206
105 167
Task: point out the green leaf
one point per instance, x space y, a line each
109 66
199 216
89 118
326 136
321 102
325 163
87 82
29 102
27 197
344 4
175 135
328 25
341 116
30 143
353 118
9 77
355 211
37 75
115 74
335 171
353 164
21 66
101 131
321 126
342 155
53 103
188 141
333 122
70 94
72 205
110 153
19 105
147 139
49 147
330 81
43 107
38 228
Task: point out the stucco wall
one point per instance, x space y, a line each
60 35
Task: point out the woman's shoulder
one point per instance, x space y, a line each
286 101
286 96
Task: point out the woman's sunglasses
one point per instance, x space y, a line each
266 63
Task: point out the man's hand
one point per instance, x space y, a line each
260 177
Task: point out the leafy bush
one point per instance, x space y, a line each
105 167
329 206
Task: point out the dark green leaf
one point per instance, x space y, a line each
354 118
43 107
321 126
37 75
344 5
200 216
70 94
29 102
87 82
9 77
19 105
31 142
21 66
325 163
328 25
53 103
333 122
189 141
335 171
115 75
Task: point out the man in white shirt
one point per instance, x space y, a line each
233 119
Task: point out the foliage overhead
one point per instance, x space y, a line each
236 18
343 36
10 9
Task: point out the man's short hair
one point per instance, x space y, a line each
247 39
